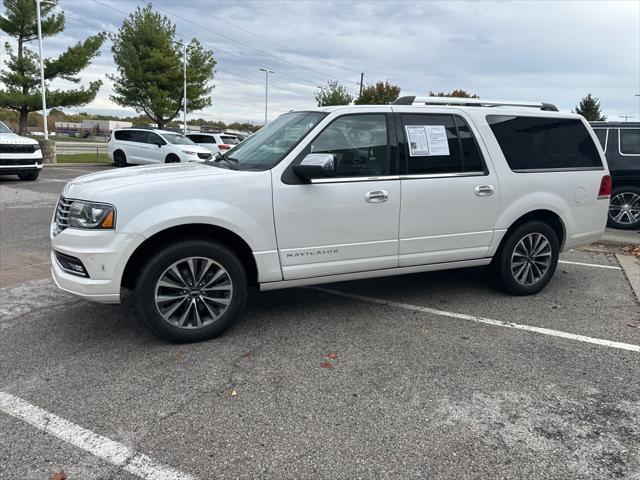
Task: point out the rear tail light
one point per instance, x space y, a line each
224 146
605 187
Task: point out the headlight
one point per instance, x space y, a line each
91 215
188 152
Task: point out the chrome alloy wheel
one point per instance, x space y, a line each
624 208
531 259
193 292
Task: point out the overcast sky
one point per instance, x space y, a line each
554 51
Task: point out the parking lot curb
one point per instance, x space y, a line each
631 267
108 164
622 238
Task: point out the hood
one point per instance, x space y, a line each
14 139
88 187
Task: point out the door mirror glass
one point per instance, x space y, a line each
316 165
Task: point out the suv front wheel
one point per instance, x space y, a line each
528 258
191 291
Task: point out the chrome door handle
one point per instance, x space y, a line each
376 196
484 190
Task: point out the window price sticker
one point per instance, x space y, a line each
427 140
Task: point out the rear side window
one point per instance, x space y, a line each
539 143
137 136
601 133
229 139
437 143
630 141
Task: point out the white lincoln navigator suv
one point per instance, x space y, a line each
334 194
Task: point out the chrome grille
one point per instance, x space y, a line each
62 214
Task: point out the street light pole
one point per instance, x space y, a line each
266 90
42 88
184 86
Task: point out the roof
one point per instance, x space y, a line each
615 124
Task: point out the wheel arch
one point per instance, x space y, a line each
189 231
547 216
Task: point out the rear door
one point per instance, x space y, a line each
450 196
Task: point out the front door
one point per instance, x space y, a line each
347 223
450 194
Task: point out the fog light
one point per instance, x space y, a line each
71 264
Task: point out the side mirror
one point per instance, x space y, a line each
316 165
158 143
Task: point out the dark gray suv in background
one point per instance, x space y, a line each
621 144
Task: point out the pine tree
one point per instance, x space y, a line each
589 108
21 77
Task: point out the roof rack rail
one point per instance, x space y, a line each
472 102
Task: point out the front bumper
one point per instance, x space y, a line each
14 165
104 255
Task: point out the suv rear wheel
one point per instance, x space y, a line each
191 291
528 258
624 208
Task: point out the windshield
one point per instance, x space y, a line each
271 143
177 139
4 128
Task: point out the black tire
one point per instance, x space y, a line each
624 207
159 266
506 266
29 176
120 159
171 158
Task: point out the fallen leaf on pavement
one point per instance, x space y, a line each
234 392
326 365
59 476
178 356
332 355
246 354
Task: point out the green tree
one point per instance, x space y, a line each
458 93
382 93
589 108
21 77
149 65
333 94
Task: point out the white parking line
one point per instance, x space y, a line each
488 321
595 265
113 452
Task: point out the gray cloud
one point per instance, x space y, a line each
529 50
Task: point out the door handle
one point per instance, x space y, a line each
484 190
376 196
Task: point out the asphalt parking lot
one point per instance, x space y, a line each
434 375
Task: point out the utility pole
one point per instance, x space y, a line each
626 117
184 98
321 94
266 90
42 87
361 81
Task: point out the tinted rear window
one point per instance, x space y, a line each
121 135
601 133
534 143
630 141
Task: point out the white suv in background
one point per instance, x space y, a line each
140 146
215 142
335 194
19 156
